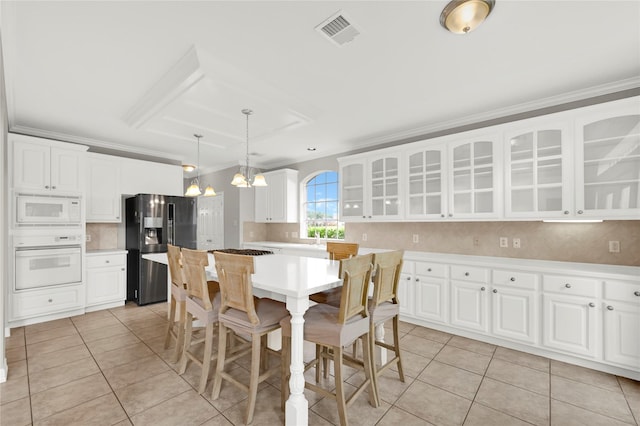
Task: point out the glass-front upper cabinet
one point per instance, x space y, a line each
384 194
473 178
426 183
608 160
352 190
537 178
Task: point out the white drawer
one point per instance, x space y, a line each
515 279
623 291
41 302
407 267
102 260
431 269
570 285
468 273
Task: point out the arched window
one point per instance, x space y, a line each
320 207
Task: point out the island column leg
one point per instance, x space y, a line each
297 406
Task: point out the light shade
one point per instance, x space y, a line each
209 191
259 180
463 16
188 167
239 180
193 190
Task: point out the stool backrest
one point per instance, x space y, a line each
193 264
356 276
339 250
175 265
388 266
236 288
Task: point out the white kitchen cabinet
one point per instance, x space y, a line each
608 160
370 188
210 222
431 301
147 177
28 305
469 300
514 306
277 202
106 280
103 188
406 289
570 312
43 166
621 311
474 165
538 170
426 184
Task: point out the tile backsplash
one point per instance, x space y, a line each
569 242
103 236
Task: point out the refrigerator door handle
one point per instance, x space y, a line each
171 209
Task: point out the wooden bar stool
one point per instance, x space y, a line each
178 297
333 328
202 302
245 315
384 306
337 251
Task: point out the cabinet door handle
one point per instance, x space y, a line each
450 214
566 212
512 279
53 187
482 289
580 212
46 186
610 308
495 291
408 278
417 280
567 285
636 293
592 305
107 261
466 274
429 270
442 215
50 300
122 269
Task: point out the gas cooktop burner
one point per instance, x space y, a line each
245 252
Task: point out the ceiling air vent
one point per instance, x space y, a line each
338 28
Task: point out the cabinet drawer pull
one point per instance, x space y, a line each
417 280
429 270
636 293
46 186
50 300
122 269
567 285
408 278
442 215
566 212
592 305
580 212
466 274
106 261
482 289
53 187
495 291
512 279
450 214
610 308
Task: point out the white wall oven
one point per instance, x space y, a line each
47 260
47 210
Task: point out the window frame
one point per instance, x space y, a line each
304 202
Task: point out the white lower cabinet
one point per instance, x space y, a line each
431 298
569 324
514 314
406 289
27 304
469 305
621 311
106 280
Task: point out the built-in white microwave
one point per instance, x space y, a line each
47 210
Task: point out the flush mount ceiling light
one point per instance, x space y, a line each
188 168
463 16
194 189
242 179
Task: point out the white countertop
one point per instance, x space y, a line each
98 252
322 248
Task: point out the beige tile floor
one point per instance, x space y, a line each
110 368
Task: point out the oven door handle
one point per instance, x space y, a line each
45 251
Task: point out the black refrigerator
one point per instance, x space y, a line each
152 222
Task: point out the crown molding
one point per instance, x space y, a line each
551 101
64 137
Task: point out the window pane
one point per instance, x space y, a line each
321 207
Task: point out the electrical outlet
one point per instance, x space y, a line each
614 246
364 237
516 243
415 238
88 237
504 242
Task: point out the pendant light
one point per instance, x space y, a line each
464 16
242 179
194 189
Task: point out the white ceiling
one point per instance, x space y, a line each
143 77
